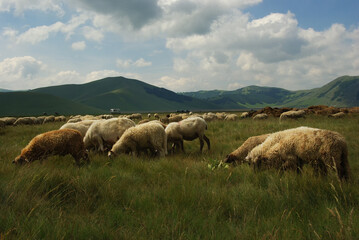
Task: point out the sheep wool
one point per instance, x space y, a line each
292 148
240 153
145 136
188 129
57 142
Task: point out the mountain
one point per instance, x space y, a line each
30 104
5 90
341 92
129 95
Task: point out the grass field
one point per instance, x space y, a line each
179 196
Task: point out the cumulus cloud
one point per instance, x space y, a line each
135 13
19 6
270 51
93 34
96 75
22 69
78 46
129 63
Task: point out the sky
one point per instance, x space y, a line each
181 45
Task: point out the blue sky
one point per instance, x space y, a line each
182 45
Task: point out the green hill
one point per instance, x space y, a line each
34 104
127 94
341 92
131 95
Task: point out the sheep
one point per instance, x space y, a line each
260 116
290 149
135 116
188 129
149 115
49 119
157 116
149 135
8 120
106 132
293 114
175 118
56 142
24 121
231 117
2 123
337 115
221 116
156 121
240 153
244 115
82 128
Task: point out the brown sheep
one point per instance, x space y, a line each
57 142
240 153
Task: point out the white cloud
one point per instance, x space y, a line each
96 75
271 51
129 63
78 46
19 69
93 34
19 6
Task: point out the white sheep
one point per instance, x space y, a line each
244 115
140 138
337 115
231 117
107 132
188 129
290 149
82 128
293 114
260 116
239 155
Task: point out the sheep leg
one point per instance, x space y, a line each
201 142
207 141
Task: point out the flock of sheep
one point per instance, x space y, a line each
284 150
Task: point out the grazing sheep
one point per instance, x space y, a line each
175 118
49 119
231 117
240 153
188 129
135 116
152 121
293 114
60 119
149 135
292 148
24 121
337 115
82 128
157 116
260 116
244 115
8 120
57 142
106 132
149 115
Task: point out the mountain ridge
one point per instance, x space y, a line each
131 95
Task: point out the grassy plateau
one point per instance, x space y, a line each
182 196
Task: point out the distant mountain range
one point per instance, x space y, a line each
131 95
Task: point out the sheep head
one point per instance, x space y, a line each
20 160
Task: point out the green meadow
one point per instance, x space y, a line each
182 196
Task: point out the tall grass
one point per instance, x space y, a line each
177 197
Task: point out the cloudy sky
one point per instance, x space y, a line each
182 45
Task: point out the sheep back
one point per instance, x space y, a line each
57 142
149 135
